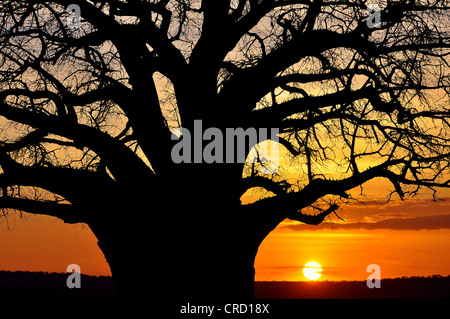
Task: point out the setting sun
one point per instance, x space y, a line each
312 270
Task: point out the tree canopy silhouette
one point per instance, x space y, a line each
88 106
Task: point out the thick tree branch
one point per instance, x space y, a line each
70 183
313 219
65 212
113 152
259 181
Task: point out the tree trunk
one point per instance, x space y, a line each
190 243
192 259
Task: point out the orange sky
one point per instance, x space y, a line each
345 254
410 238
43 243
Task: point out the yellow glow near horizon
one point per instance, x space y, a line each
312 270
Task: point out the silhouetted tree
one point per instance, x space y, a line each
89 105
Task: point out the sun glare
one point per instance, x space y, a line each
312 270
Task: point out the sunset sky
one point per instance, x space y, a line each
410 238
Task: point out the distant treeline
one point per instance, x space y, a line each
434 286
44 285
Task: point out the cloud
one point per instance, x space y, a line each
431 222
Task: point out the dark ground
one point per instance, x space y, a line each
41 285
398 288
